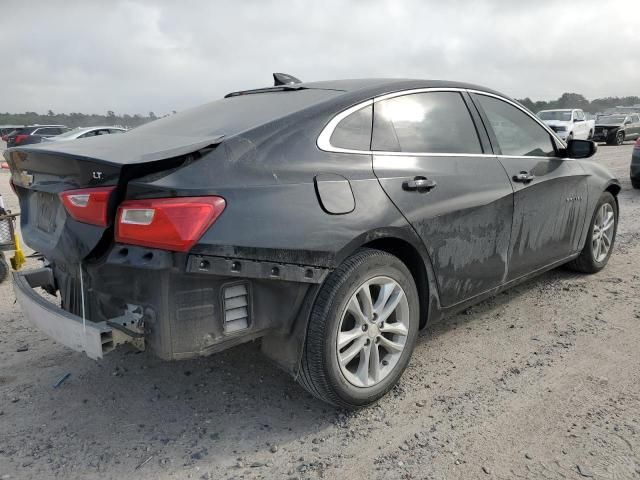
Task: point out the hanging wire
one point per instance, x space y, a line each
84 327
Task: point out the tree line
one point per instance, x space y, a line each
575 100
76 119
566 100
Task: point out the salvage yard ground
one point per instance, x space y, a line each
542 381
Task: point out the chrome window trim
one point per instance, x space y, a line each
324 144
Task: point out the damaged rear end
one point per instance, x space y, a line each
115 265
166 237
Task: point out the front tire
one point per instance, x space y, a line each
619 138
362 330
601 237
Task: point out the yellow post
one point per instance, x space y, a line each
18 260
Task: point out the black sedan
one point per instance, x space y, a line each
332 220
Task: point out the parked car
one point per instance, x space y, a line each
615 129
635 165
302 215
33 134
84 132
5 130
568 123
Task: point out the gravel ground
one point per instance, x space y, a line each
542 381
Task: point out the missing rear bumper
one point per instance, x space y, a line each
237 267
95 339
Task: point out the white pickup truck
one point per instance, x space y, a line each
568 123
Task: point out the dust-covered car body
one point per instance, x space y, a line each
307 174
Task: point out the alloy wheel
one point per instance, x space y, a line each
373 331
602 236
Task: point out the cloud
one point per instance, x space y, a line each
139 56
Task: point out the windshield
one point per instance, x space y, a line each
611 120
555 115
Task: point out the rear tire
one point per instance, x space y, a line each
592 259
368 304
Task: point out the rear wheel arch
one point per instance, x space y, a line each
414 261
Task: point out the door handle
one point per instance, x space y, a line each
421 184
523 177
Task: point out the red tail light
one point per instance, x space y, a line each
167 223
88 205
636 145
4 138
20 138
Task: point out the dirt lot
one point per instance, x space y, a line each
540 382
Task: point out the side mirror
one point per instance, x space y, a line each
581 148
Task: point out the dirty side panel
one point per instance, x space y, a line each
464 221
549 212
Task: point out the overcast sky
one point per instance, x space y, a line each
136 56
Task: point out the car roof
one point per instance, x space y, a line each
97 127
369 87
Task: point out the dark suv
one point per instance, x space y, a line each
614 129
33 134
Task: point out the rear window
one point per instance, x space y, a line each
229 116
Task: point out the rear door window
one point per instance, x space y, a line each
516 132
430 122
